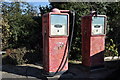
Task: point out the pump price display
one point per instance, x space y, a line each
59 25
98 25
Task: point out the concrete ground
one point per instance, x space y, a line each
27 71
111 71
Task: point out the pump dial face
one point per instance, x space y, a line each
98 24
59 25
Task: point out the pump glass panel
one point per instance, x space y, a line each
59 25
98 25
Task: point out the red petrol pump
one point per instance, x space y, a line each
93 39
55 31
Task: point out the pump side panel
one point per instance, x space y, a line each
86 28
97 47
45 33
58 49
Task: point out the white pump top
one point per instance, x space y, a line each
56 10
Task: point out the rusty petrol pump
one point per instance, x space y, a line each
55 31
93 39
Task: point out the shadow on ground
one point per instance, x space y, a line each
111 71
27 71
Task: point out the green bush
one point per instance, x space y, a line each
111 49
14 56
20 56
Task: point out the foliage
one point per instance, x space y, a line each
20 56
14 56
21 28
111 49
113 13
113 27
45 9
20 23
5 32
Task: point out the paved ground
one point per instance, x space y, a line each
24 71
76 71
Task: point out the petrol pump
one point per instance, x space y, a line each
93 39
55 31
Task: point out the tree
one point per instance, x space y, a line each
23 30
113 13
19 17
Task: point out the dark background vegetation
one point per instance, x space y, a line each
22 29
